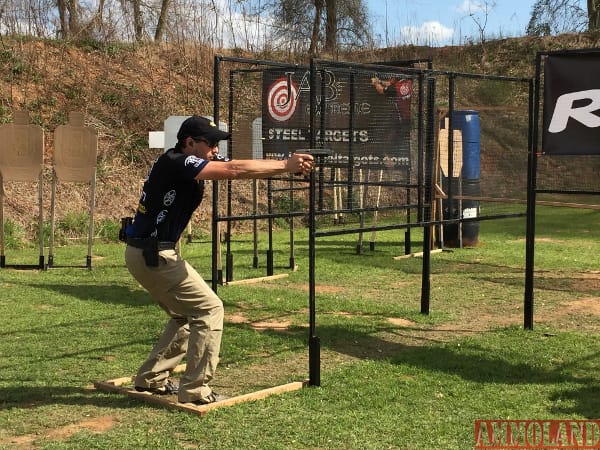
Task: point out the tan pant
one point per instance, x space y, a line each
195 327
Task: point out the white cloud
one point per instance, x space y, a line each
468 7
428 33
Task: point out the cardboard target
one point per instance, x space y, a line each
75 150
21 149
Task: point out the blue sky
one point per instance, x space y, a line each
447 22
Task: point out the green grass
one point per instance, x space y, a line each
390 377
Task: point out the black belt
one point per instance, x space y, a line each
144 242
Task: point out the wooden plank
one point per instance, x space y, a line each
417 254
253 396
259 279
200 410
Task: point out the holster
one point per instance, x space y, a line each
150 252
150 247
125 222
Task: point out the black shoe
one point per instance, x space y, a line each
169 388
213 397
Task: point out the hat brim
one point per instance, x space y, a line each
216 135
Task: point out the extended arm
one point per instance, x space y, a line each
250 168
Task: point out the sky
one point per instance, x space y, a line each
447 22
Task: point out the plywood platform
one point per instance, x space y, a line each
123 386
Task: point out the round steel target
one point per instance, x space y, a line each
282 100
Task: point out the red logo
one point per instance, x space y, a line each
537 434
282 99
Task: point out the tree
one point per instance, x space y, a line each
549 17
593 7
162 20
480 16
323 24
138 20
68 11
315 36
331 25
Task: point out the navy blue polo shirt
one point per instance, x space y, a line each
170 196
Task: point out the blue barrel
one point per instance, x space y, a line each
467 121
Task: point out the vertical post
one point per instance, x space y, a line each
228 253
292 207
270 269
420 149
255 223
52 219
429 149
534 94
217 271
2 256
450 190
350 184
314 345
91 227
41 261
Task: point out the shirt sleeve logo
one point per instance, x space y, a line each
193 161
169 197
161 216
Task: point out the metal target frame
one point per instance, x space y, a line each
422 196
567 142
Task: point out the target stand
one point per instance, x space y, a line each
22 160
123 386
75 152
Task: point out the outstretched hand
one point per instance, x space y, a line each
300 163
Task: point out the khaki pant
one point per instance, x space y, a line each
195 327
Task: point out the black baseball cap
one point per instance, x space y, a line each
198 127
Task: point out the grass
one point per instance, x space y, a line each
391 377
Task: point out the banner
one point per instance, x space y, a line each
380 112
571 117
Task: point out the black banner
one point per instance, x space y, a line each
571 104
380 111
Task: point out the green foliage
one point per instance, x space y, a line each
14 235
109 48
108 230
73 224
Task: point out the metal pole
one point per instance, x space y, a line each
429 148
217 271
314 345
531 196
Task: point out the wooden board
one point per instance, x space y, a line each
259 279
417 254
117 386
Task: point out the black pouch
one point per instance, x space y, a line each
125 222
150 252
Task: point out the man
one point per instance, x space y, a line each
171 193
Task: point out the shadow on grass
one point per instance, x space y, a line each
36 397
102 293
476 361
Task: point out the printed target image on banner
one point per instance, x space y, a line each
375 127
571 104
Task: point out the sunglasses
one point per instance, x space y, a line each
211 143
